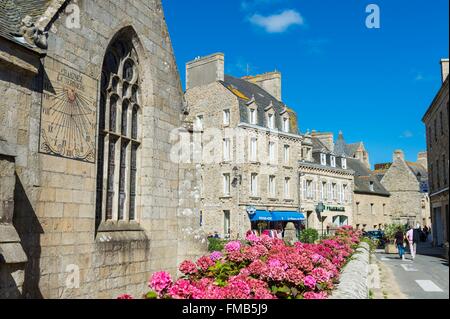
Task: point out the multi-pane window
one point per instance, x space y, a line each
271 121
226 117
226 149
333 161
335 191
287 188
330 192
345 193
344 163
226 184
323 159
226 224
272 153
119 138
323 191
287 155
253 117
254 185
253 149
309 189
272 186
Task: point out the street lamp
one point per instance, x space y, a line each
319 210
237 181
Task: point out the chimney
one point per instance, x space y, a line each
205 70
271 82
398 154
326 138
444 69
422 159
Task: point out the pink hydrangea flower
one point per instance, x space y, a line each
215 256
295 276
188 267
321 275
233 246
160 282
310 282
204 263
312 295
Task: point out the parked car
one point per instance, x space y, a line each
377 235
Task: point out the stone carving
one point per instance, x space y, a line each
32 34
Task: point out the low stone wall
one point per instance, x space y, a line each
354 279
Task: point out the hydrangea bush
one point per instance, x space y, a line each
263 268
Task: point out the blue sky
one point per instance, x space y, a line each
373 84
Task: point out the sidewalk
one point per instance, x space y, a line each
426 249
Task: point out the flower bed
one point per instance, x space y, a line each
264 268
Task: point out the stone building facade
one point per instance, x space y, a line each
90 96
436 121
327 180
246 142
407 182
371 202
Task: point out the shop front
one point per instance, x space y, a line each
273 222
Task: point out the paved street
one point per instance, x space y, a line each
427 277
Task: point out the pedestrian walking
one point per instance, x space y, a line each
400 241
411 242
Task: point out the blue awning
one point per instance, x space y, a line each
261 215
279 216
287 216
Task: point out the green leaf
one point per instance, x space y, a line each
151 295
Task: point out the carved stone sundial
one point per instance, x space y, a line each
69 117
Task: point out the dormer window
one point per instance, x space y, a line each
344 163
323 159
333 161
372 186
286 127
253 117
271 121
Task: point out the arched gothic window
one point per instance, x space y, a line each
119 134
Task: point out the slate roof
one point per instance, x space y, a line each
342 148
247 91
363 177
13 11
318 146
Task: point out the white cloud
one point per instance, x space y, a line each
419 77
407 134
278 23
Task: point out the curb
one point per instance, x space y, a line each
354 279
